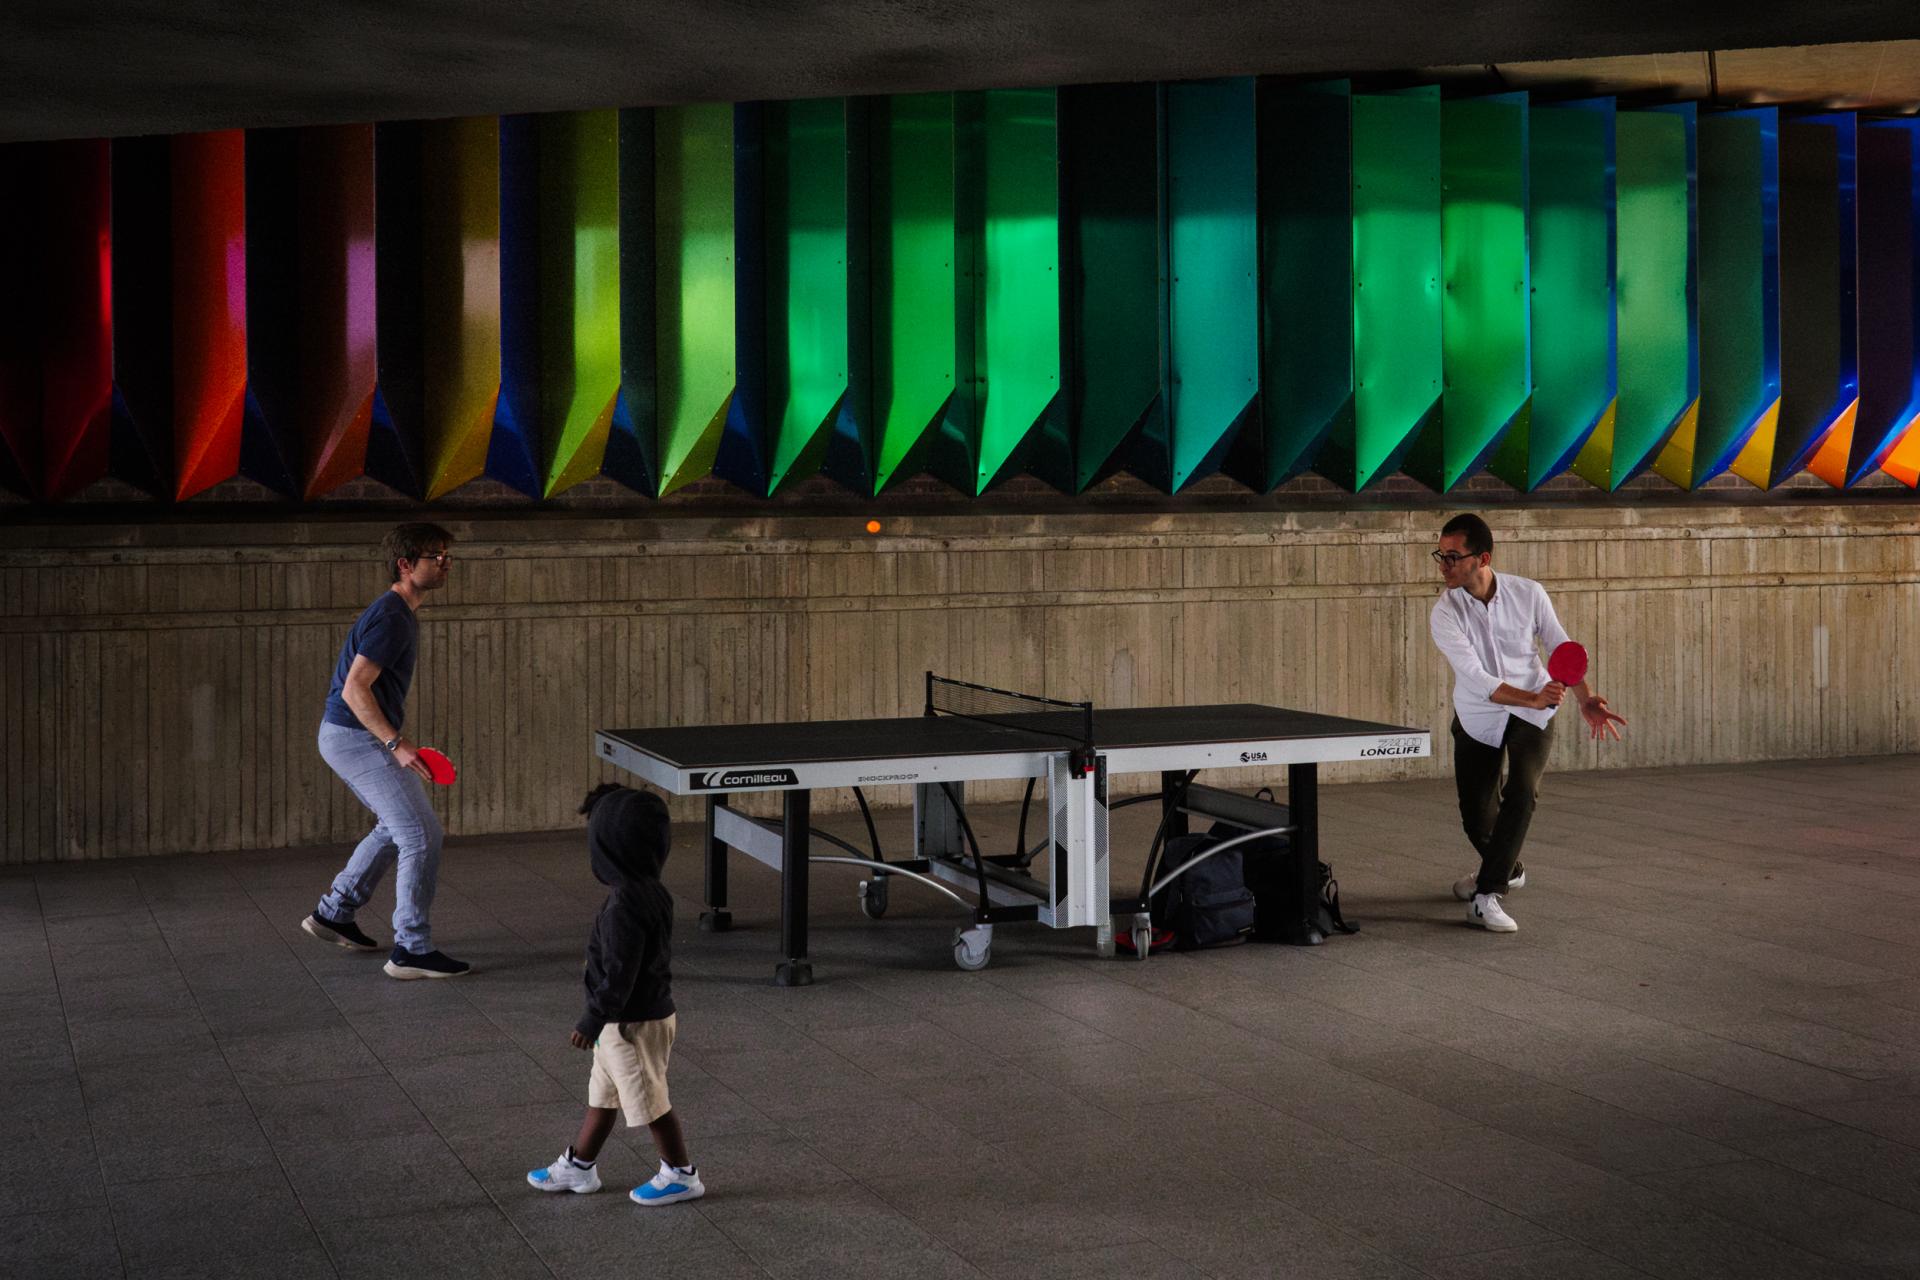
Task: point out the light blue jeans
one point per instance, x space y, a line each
405 828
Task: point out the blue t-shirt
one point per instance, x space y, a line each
389 634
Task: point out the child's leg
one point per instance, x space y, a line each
594 1128
667 1137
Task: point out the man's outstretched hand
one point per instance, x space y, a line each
1601 721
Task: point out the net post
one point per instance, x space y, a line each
929 710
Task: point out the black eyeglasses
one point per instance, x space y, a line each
1450 558
439 557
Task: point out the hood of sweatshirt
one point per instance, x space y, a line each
627 837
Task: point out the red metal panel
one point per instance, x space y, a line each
209 307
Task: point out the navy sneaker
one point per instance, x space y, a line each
341 933
405 964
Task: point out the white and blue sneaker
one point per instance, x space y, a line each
669 1186
567 1174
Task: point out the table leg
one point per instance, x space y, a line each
794 970
1170 780
716 918
1303 805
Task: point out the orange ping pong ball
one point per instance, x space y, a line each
873 526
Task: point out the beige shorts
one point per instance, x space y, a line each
630 1069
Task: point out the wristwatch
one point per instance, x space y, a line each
393 743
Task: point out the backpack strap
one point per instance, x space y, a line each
1330 901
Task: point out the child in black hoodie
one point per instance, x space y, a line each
629 1022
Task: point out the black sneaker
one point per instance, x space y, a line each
405 964
341 933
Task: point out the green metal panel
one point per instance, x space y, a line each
1018 284
1571 195
1110 154
1654 284
1306 294
916 306
632 455
1213 278
693 286
1819 307
1485 330
1396 286
808 324
580 258
1739 295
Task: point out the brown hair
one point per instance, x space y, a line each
410 542
1472 530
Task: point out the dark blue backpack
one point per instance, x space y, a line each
1208 904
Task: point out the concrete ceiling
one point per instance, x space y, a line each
114 67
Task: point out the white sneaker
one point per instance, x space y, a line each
669 1186
564 1175
1486 912
1466 886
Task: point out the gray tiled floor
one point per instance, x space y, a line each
1699 1057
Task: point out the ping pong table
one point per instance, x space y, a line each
971 733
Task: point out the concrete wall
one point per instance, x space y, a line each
160 684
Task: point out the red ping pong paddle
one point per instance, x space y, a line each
1568 663
439 768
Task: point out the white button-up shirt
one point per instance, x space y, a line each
1494 644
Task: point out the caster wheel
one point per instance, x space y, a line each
873 898
1142 941
972 948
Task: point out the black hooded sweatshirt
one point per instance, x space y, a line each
629 949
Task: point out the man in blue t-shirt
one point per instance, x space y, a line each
360 740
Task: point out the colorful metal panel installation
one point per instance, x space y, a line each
693 287
209 220
56 336
1257 277
922 318
1396 286
1571 238
1819 317
1739 210
1485 326
1887 428
1213 275
1656 251
311 343
818 305
1110 225
1306 282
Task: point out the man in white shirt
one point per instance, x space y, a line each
1491 630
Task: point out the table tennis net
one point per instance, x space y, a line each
1027 712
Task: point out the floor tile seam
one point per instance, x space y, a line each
1748 1093
73 1056
1757 1228
719 1225
1563 1239
1855 1077
1747 1157
1813 1019
478 1181
253 1113
968 1258
1595 1244
1567 991
1681 1127
1334 1225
